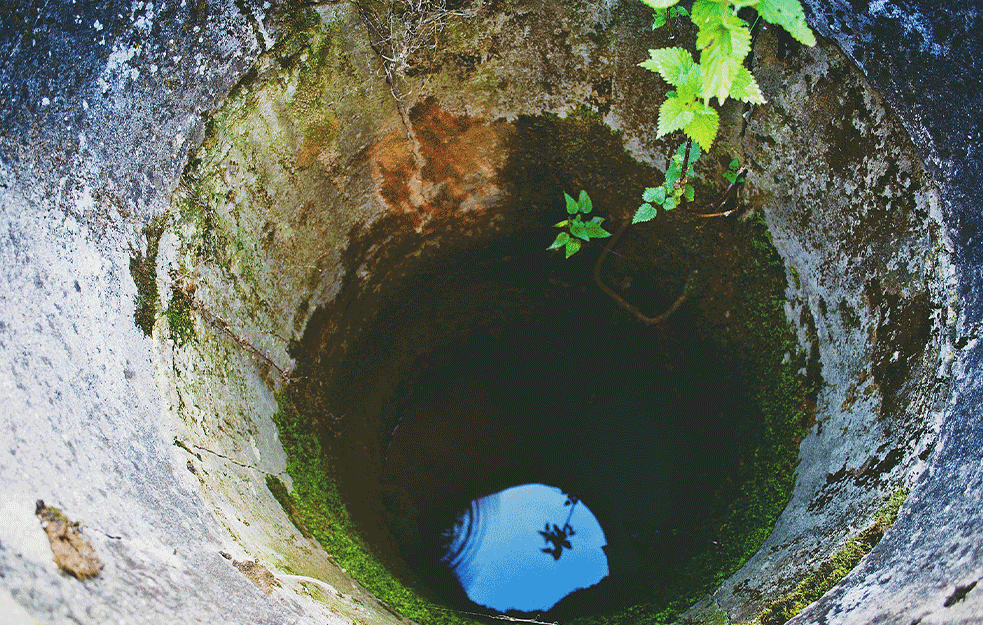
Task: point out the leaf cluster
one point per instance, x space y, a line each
576 229
676 185
724 41
733 170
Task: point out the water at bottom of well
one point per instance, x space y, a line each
526 548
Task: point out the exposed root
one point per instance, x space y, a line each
647 320
608 249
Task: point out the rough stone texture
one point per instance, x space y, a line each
857 221
924 58
100 104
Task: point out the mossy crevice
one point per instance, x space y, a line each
835 568
143 269
318 505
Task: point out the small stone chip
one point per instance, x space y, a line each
71 551
257 574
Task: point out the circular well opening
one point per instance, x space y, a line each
496 364
442 355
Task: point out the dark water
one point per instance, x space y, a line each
638 423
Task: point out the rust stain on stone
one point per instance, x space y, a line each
458 176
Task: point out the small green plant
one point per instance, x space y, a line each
676 185
724 41
576 229
733 173
662 16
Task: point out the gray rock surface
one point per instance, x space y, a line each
924 57
100 105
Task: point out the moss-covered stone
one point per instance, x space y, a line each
832 570
143 269
320 507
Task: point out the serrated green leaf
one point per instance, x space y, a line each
789 15
690 193
734 164
561 224
703 129
595 231
690 85
670 63
718 76
584 203
572 247
579 230
679 12
660 4
645 212
673 174
724 35
572 207
673 116
704 11
746 88
681 151
669 204
659 19
561 240
694 155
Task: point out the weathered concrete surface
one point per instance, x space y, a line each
856 219
100 106
924 57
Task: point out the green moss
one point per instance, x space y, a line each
742 298
835 568
143 268
319 507
282 495
180 320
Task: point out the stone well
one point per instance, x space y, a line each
209 207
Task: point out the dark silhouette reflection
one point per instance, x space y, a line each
558 537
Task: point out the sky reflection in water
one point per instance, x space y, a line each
505 560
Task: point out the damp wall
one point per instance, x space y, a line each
94 143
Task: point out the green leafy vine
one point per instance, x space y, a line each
723 39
